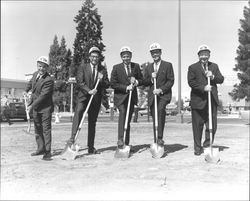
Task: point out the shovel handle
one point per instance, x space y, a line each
127 114
26 107
156 113
85 112
210 121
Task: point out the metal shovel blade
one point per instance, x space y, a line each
70 152
156 150
122 153
211 155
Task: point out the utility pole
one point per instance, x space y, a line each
179 117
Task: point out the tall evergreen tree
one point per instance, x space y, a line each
53 56
242 90
60 62
89 32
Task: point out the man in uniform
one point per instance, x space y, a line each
164 74
125 77
87 76
41 86
198 73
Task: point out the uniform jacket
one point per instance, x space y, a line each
197 80
164 81
85 82
42 91
120 81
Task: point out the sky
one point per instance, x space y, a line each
28 29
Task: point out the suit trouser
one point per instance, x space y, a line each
161 108
92 118
6 114
199 118
42 124
122 117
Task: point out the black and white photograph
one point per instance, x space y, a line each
125 100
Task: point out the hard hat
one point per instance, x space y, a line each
125 49
154 46
203 48
94 49
43 59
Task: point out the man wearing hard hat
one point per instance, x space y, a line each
124 78
41 87
198 75
163 72
87 76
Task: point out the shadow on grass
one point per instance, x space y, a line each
221 148
57 152
171 148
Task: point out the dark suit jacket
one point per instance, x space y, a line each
85 82
197 80
42 91
120 81
164 81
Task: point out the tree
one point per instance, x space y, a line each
89 32
53 56
60 63
242 90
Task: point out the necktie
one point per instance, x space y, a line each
155 67
38 77
128 71
93 74
205 67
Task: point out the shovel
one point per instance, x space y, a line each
71 150
156 150
124 152
27 116
211 153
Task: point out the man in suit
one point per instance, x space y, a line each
164 74
41 86
124 78
198 73
87 76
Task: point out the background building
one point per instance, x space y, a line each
13 88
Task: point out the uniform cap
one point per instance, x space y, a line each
203 48
154 46
125 49
94 49
43 59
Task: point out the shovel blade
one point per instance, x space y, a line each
28 132
156 150
70 152
211 155
122 153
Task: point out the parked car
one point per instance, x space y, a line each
16 110
143 111
171 109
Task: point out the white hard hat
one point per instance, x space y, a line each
203 48
94 49
154 46
125 49
43 59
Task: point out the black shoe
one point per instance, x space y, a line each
10 123
47 156
93 151
37 153
160 142
120 144
198 153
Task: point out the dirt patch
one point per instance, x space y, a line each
178 175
